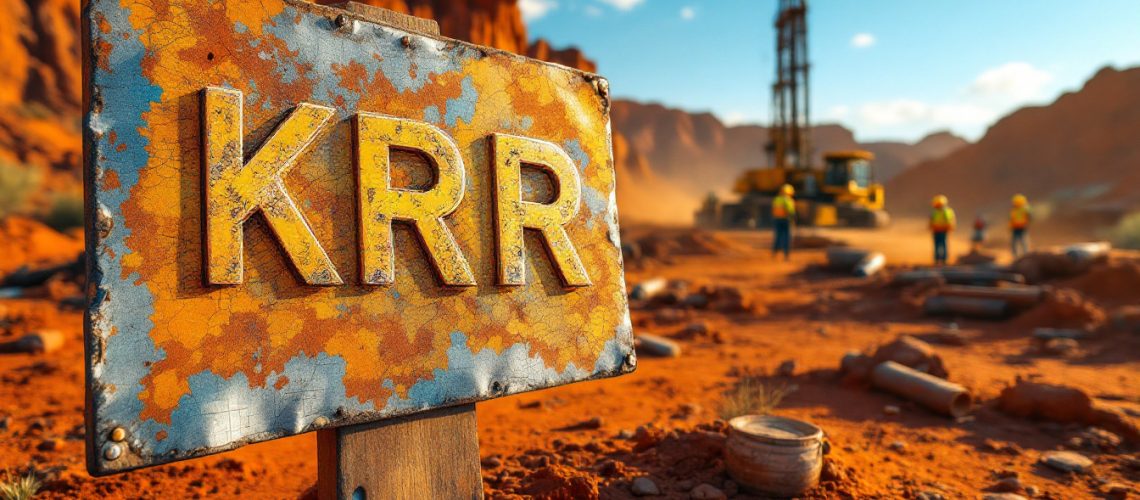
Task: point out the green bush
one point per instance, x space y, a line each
17 183
66 212
1126 234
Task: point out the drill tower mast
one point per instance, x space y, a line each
790 135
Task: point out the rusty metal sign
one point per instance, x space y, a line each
299 219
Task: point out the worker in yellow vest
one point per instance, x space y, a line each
941 223
783 216
1019 217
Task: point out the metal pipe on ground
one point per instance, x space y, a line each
970 307
870 265
845 259
977 276
940 395
1087 252
653 345
1016 295
43 341
1046 334
648 288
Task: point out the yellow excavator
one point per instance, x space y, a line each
843 192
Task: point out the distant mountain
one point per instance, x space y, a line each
1080 154
892 158
699 153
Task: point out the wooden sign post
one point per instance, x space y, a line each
304 218
434 454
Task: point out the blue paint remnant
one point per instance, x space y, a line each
224 412
431 115
219 411
471 375
315 43
128 354
574 149
462 107
595 202
240 27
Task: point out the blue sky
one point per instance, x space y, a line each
888 69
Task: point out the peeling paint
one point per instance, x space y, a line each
189 368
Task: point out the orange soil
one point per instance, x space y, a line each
812 317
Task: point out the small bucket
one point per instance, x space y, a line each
774 455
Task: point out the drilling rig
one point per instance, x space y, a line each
842 192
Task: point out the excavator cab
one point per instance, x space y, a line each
849 170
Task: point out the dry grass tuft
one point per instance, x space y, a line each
751 396
22 487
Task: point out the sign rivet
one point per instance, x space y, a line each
112 451
118 434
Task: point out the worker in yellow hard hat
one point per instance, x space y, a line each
941 223
1019 218
783 217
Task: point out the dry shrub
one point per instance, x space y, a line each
66 212
21 487
1126 234
17 184
751 396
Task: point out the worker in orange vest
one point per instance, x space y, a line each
1019 218
941 223
783 216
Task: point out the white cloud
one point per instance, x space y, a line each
1017 80
688 13
534 9
734 118
862 40
839 112
623 4
994 93
910 112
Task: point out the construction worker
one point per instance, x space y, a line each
979 237
1019 217
941 223
783 215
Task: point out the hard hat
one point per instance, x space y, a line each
1019 200
787 189
939 201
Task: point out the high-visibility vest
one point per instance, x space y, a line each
942 219
783 207
1019 218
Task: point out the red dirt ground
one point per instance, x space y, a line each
532 446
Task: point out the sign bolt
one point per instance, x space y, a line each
112 451
118 434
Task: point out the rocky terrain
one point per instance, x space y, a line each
1053 418
700 152
1077 154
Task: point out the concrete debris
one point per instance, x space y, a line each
1067 461
705 491
787 368
643 487
39 342
1060 347
653 345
